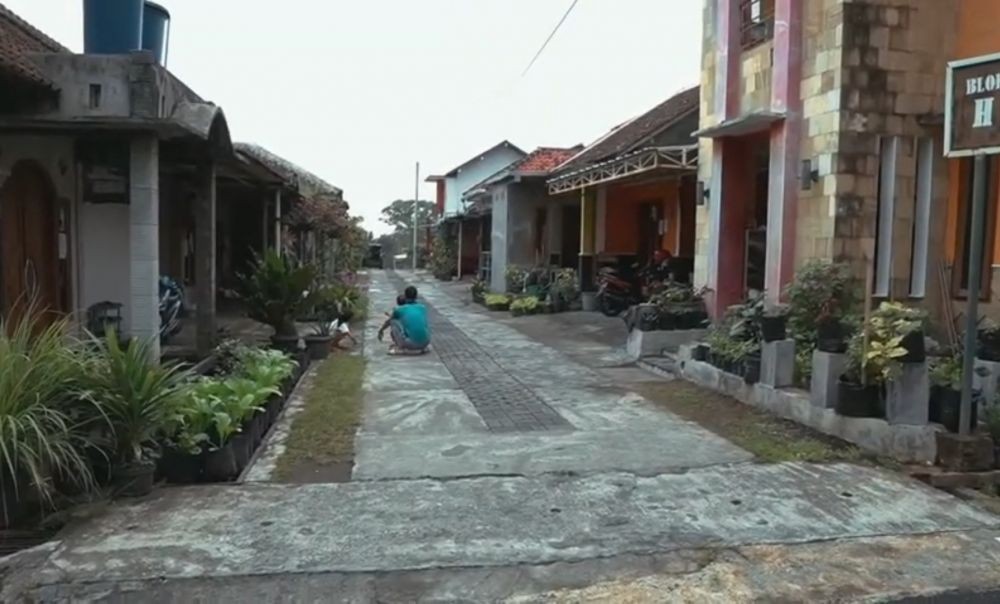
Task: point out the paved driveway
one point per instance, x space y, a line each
504 466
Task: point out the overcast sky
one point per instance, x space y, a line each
358 90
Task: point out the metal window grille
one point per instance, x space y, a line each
756 22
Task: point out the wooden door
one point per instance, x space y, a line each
648 230
29 267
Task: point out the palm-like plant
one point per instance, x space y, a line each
139 397
276 290
42 425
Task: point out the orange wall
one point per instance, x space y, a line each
977 35
622 215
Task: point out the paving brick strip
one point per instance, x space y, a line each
504 403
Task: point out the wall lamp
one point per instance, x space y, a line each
808 175
702 194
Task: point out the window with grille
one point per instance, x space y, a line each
756 22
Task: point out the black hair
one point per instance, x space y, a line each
346 315
410 293
400 300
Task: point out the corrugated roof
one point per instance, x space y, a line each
309 184
635 132
18 39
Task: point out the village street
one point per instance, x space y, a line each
499 467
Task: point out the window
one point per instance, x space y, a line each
888 154
963 239
922 217
756 22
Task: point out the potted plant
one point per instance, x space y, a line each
45 428
497 302
564 291
328 306
275 291
869 366
679 306
478 290
139 397
749 352
773 322
699 352
988 341
514 278
821 299
946 392
526 305
893 319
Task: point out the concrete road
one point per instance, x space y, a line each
507 467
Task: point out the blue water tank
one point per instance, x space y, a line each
112 27
155 31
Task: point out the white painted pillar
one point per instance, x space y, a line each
461 233
204 225
277 221
144 240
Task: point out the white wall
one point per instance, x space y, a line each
103 248
498 239
475 172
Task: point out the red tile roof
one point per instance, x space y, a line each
17 39
545 159
633 133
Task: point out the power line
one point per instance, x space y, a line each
551 35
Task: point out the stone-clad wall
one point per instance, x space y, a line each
707 117
893 60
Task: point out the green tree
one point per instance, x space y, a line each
399 215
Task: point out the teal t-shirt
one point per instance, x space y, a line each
413 318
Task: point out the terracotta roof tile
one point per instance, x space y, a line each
18 38
632 133
545 159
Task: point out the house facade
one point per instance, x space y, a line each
470 229
113 172
822 138
633 191
527 228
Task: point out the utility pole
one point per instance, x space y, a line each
416 196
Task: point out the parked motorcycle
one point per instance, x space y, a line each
171 308
617 291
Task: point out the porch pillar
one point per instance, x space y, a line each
204 244
277 222
144 240
731 191
588 214
461 234
785 140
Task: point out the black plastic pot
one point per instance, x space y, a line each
274 405
179 467
772 329
830 336
318 347
751 369
242 450
699 352
134 480
913 343
666 321
694 319
855 400
947 408
988 346
220 464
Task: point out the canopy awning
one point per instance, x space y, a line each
680 159
740 126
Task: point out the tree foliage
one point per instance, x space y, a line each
399 214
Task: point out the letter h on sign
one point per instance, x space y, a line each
983 113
